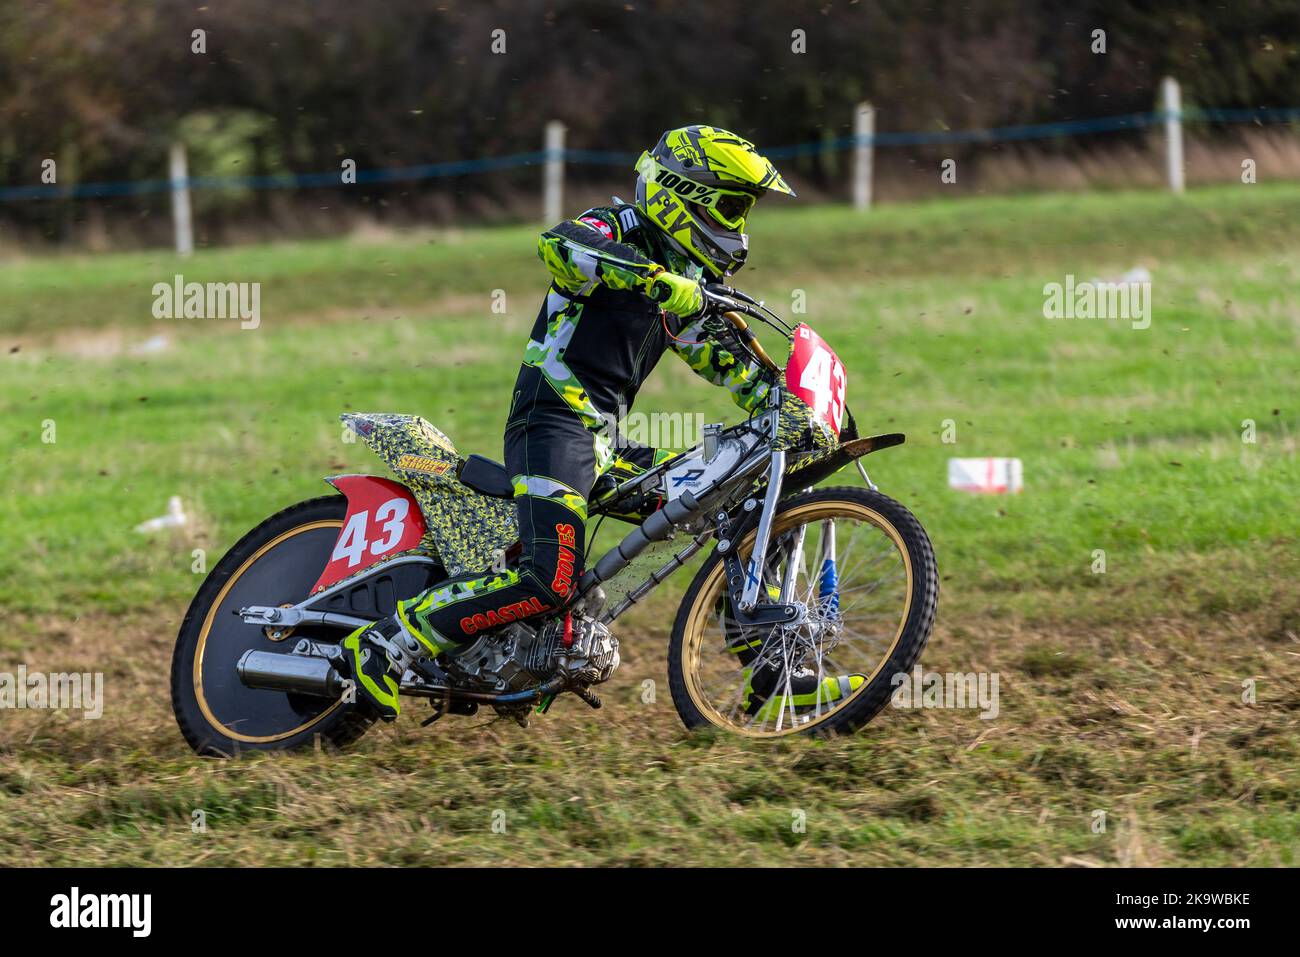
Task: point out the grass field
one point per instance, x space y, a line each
1122 692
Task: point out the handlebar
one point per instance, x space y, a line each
733 305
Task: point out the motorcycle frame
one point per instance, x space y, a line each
743 483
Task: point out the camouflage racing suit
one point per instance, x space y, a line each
596 340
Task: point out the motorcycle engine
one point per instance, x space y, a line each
518 657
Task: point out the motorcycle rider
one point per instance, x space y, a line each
625 287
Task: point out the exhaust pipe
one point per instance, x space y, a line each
293 674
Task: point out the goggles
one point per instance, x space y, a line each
730 209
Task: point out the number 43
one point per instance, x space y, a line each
391 517
824 377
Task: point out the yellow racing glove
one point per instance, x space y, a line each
676 294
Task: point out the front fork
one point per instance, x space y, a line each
748 605
758 559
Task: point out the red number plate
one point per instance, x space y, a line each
383 518
816 375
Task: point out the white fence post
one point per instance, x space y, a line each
864 129
553 177
1172 105
182 225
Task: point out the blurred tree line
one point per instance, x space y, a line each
103 86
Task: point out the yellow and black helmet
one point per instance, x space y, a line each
698 184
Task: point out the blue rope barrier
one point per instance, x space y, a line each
279 181
1105 124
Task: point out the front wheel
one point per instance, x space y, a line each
862 571
275 564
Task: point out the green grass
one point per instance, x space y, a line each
1131 441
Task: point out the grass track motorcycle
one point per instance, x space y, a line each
832 581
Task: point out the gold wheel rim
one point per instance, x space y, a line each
697 622
207 627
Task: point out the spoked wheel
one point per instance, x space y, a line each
862 571
275 564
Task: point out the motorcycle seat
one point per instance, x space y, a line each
486 477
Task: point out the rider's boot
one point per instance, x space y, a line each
767 693
378 655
